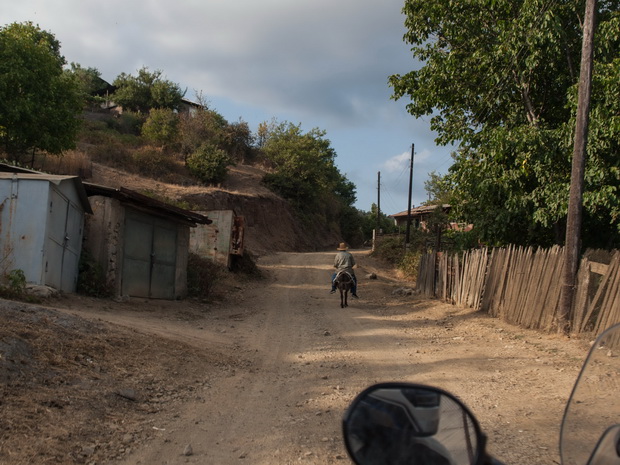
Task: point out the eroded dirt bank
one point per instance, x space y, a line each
264 376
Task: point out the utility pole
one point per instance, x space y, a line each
573 221
407 234
378 202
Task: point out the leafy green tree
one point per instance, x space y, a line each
499 78
304 173
205 125
39 101
209 163
161 127
304 164
146 90
438 189
90 83
386 224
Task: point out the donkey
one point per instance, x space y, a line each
343 282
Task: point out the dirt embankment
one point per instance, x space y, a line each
270 222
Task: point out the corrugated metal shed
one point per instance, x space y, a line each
41 227
141 243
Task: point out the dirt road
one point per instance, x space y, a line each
287 361
307 358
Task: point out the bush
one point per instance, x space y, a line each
392 250
161 127
153 162
202 275
91 280
14 285
409 264
127 123
209 164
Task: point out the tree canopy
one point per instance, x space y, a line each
39 101
147 90
499 77
304 172
304 165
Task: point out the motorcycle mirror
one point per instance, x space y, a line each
590 431
402 423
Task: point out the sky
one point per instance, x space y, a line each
319 63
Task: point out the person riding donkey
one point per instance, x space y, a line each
344 262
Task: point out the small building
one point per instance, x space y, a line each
141 243
420 216
220 240
41 227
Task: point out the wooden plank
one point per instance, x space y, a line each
606 314
554 288
596 301
598 268
581 295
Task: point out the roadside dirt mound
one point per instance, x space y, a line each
77 391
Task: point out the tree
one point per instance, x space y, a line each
146 90
90 83
161 127
512 112
304 173
438 189
205 125
304 163
209 164
39 101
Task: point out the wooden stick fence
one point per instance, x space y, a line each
523 285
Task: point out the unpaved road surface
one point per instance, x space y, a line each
264 377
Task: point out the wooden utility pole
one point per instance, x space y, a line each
378 202
407 234
573 222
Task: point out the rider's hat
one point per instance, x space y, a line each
342 246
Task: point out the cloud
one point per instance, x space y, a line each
397 163
321 63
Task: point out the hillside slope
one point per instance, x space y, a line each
270 223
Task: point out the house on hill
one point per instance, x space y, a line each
420 216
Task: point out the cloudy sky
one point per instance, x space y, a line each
321 63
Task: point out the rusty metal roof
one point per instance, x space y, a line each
421 210
146 203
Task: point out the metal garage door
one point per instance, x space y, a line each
149 263
63 243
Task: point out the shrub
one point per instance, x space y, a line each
127 123
91 280
13 286
409 264
161 127
390 249
209 164
202 275
153 161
